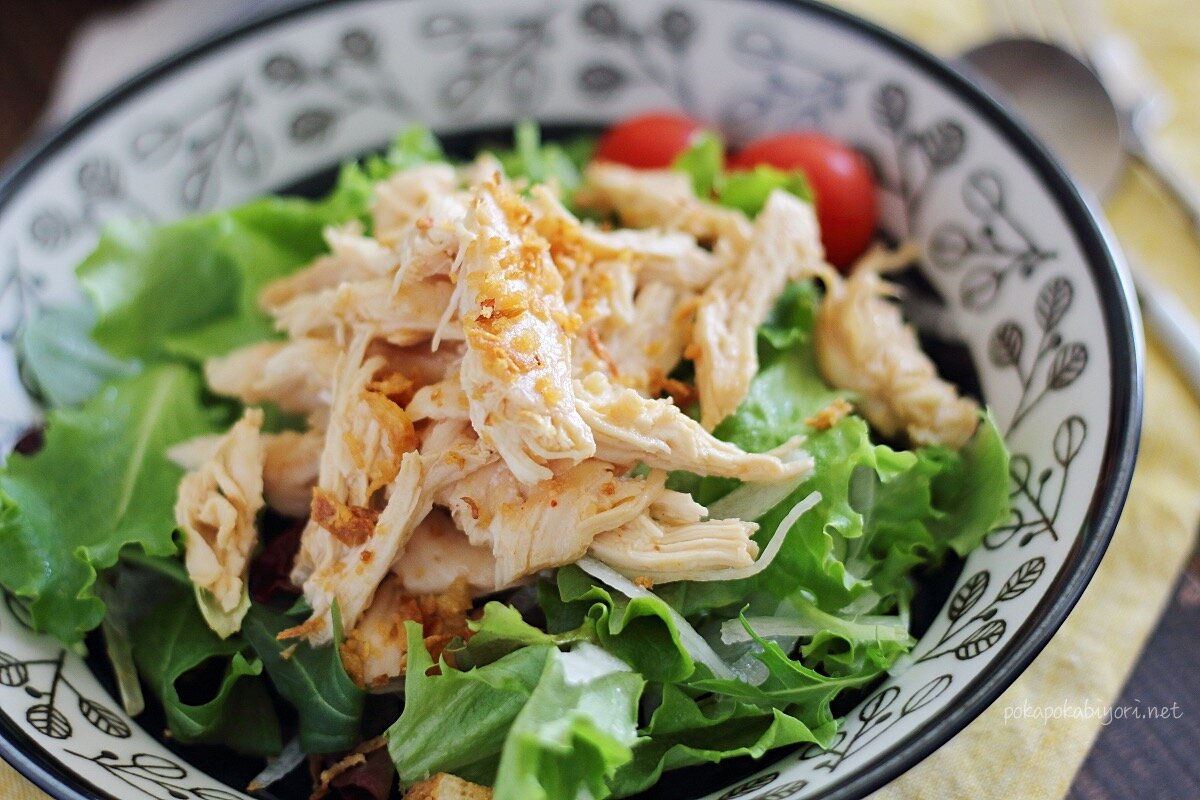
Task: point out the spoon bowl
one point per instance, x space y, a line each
1064 102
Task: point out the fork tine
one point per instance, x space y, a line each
1017 18
1003 21
1060 24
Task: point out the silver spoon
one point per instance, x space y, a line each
1067 105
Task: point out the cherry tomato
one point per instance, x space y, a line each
647 141
841 182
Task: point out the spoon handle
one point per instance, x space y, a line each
1173 324
1182 190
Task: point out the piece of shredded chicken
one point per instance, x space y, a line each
216 508
483 380
863 345
376 649
517 368
786 246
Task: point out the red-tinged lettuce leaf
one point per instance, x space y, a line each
210 691
373 779
101 483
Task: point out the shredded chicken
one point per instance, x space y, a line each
352 257
786 246
216 508
295 375
444 786
439 555
661 199
517 368
863 345
376 650
673 536
630 428
576 503
403 198
480 376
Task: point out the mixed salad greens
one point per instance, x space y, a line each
585 684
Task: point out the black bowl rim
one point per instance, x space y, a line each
1125 416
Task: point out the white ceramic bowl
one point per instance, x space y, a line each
1030 282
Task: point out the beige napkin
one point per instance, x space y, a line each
1091 657
1089 660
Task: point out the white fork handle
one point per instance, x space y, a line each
1182 190
1173 324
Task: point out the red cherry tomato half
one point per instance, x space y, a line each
841 182
648 141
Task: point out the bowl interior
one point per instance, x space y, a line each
1016 277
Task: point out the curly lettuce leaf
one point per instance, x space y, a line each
575 731
189 289
456 721
687 729
313 681
745 190
60 360
502 630
639 631
176 655
101 484
540 162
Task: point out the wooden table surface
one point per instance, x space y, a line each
1147 759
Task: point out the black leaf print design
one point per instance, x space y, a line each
102 196
1067 361
890 107
215 138
876 716
312 125
602 80
12 671
48 721
45 715
751 785
789 88
19 608
21 297
1006 345
995 248
968 636
103 719
654 52
785 792
967 595
1023 579
154 776
501 58
943 143
875 709
349 77
926 694
1053 302
1037 500
984 638
919 154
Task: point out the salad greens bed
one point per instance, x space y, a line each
605 695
